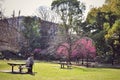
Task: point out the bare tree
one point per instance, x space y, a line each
1 10
47 14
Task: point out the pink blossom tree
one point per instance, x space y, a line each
37 50
62 50
82 48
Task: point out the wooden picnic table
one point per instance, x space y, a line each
13 64
65 63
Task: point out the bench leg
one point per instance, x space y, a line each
62 66
20 69
12 69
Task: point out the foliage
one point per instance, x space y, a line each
81 47
96 29
105 20
70 12
84 46
113 6
113 34
107 13
91 17
100 43
113 31
31 31
62 50
47 14
37 50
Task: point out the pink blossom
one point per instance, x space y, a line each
83 46
37 50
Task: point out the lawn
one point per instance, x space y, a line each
51 71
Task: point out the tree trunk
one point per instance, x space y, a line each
82 60
87 60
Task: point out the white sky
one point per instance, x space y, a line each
28 7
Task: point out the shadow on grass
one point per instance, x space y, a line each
80 68
16 72
66 68
98 68
108 67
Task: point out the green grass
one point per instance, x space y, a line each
50 71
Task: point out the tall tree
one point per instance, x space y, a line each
103 21
113 39
70 11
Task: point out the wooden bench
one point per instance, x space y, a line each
65 63
91 64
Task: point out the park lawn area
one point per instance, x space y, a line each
52 71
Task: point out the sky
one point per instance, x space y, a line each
29 7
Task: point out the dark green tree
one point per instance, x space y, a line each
31 31
113 39
104 22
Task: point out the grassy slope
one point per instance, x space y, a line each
48 71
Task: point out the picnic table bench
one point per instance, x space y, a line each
65 63
19 65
